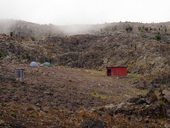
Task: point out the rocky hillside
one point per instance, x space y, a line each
60 96
143 48
146 56
12 50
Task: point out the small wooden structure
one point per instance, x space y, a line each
117 71
19 74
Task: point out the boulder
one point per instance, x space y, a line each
91 123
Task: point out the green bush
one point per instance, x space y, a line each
129 28
2 54
141 29
158 36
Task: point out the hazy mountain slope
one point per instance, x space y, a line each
59 96
119 49
143 48
148 55
28 30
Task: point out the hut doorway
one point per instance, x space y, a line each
109 72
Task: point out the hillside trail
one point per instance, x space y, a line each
69 88
60 96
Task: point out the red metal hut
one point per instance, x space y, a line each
117 71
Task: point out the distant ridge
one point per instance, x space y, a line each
29 29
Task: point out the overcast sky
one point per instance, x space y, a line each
63 12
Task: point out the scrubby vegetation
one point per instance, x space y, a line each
75 91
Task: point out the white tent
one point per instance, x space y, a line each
46 64
34 64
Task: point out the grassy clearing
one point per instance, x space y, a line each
96 73
132 78
98 95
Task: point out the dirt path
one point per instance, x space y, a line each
56 96
60 87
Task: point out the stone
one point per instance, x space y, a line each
17 125
91 123
151 97
167 125
137 100
2 122
48 93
